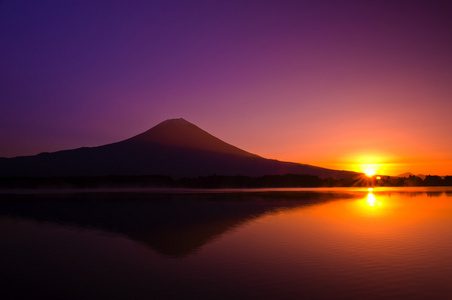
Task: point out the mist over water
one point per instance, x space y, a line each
274 244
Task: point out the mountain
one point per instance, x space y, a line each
408 174
174 147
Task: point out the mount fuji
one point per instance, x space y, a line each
174 147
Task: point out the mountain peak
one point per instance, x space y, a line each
181 133
172 126
176 121
180 120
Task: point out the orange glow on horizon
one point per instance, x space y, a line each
369 164
384 163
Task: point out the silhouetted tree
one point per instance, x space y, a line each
431 180
448 180
413 181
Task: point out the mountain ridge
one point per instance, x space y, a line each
174 147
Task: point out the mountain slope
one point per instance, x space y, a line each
180 133
174 147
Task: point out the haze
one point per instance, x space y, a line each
337 84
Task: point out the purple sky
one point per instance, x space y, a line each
340 84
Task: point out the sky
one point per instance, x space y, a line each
338 84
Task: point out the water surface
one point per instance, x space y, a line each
273 244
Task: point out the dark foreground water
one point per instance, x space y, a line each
285 244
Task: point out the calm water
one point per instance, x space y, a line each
285 244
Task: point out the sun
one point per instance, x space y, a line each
370 165
369 172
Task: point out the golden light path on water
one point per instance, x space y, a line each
372 201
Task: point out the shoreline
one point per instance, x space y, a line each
181 191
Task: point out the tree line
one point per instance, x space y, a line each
218 181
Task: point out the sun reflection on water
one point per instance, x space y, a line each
372 201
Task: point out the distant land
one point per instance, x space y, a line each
408 174
175 148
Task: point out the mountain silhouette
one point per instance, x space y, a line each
408 174
174 147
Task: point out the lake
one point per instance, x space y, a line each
227 244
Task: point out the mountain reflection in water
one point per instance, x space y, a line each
174 225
